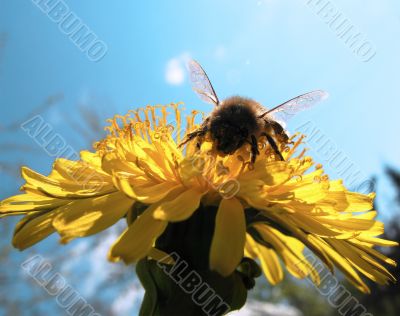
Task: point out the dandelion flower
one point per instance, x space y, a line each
271 211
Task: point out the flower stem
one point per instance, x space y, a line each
188 287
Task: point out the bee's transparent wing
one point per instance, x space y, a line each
287 110
201 83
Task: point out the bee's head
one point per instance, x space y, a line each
231 126
229 138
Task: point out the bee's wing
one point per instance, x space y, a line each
201 84
287 110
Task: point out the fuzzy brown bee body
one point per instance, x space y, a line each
237 121
233 122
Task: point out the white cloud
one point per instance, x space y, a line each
100 268
174 72
124 304
92 253
267 309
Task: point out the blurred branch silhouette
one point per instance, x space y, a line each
385 300
20 294
12 168
33 300
395 178
48 102
90 124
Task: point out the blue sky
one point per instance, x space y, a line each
270 50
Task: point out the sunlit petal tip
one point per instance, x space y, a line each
123 185
160 256
137 240
180 208
112 258
229 238
24 170
65 240
160 214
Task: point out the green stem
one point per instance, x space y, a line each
188 287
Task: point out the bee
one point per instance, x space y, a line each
237 120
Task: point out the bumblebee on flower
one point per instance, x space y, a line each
265 201
140 164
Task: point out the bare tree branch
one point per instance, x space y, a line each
49 102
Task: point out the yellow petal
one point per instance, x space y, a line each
64 189
359 202
290 250
93 159
269 261
150 160
124 186
304 238
180 208
77 171
270 264
377 241
342 263
272 173
137 240
349 224
32 229
229 237
86 217
161 256
24 203
113 163
154 193
362 262
249 249
310 193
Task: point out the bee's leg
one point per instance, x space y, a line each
273 145
279 131
188 138
197 133
254 149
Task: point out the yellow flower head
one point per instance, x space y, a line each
271 210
